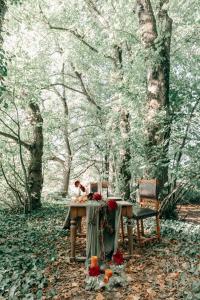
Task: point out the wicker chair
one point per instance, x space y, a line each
148 197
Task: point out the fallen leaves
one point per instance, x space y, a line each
100 297
160 271
133 297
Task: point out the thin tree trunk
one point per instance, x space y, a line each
125 154
35 176
66 180
3 9
67 168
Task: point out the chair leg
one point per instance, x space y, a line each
79 229
122 228
142 227
138 232
158 227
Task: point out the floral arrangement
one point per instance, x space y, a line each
112 205
106 277
118 258
96 196
94 271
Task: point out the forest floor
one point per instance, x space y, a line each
189 213
34 261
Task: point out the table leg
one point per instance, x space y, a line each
73 238
142 227
79 229
158 227
130 236
122 228
138 232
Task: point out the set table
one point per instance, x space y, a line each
79 210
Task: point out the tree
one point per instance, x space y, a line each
3 69
33 177
156 37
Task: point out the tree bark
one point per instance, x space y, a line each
125 154
156 38
68 163
35 175
3 9
66 180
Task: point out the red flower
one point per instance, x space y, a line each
94 271
112 204
118 258
96 196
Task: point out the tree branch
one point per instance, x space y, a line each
84 89
57 159
83 171
75 33
26 145
66 86
7 126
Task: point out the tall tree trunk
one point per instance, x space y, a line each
68 163
125 155
35 176
3 69
156 38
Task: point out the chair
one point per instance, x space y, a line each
100 187
148 197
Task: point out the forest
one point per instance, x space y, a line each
98 91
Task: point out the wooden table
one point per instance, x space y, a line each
79 210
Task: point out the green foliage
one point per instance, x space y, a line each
27 245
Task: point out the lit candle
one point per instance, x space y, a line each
94 261
106 279
108 273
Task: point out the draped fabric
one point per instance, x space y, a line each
93 233
102 240
117 226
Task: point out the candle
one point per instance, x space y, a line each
94 261
108 273
106 279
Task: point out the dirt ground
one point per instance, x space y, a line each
189 213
